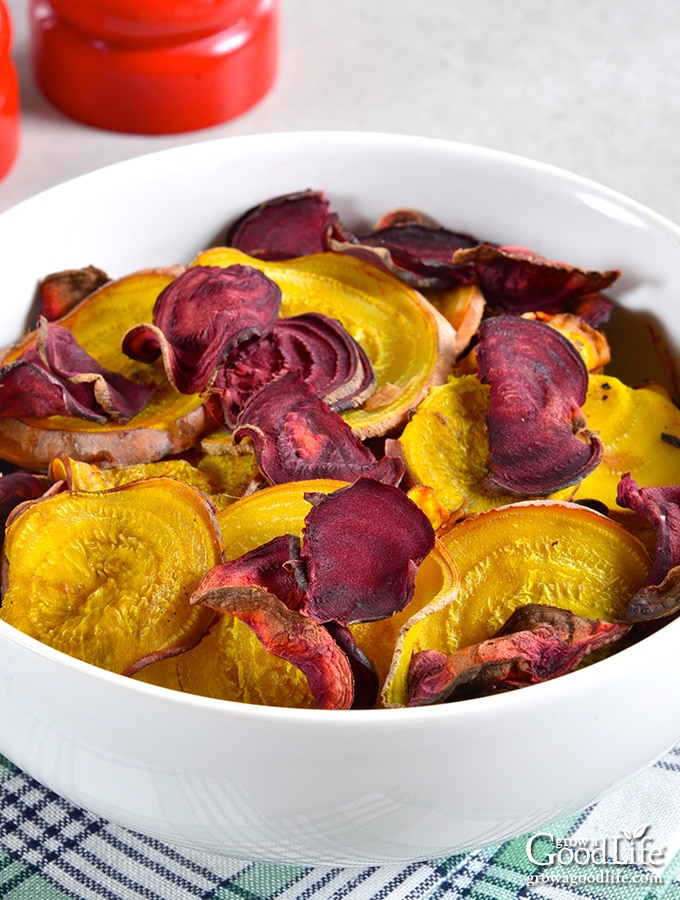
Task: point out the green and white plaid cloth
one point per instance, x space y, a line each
627 847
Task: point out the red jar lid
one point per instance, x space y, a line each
154 66
9 96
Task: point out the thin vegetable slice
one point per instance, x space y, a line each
59 292
362 546
297 436
659 597
268 513
284 227
106 577
516 280
409 344
536 644
640 431
538 436
315 346
57 377
289 634
200 317
547 552
169 423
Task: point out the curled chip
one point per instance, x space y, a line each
535 644
297 436
538 437
315 346
200 317
516 280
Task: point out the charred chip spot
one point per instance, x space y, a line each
538 437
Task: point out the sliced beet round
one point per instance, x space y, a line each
515 280
200 317
297 436
362 545
290 635
56 377
283 227
537 643
315 346
272 566
538 439
659 506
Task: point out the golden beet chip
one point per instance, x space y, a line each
409 344
230 663
559 554
640 431
106 577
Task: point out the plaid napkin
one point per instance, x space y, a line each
627 847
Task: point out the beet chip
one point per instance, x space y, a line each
297 436
284 227
515 280
200 317
289 635
660 506
317 347
538 438
419 254
537 643
271 567
363 545
57 377
366 680
61 291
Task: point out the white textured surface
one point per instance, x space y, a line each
591 87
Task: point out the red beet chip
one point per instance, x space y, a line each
18 487
538 439
419 254
537 643
289 635
200 317
297 436
660 506
56 377
272 566
284 227
515 280
362 545
315 346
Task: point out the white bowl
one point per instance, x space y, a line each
361 787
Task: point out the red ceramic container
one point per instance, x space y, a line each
154 66
9 96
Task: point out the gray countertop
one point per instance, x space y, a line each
593 87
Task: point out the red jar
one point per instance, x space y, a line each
154 66
9 96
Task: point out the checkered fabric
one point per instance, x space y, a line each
50 850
